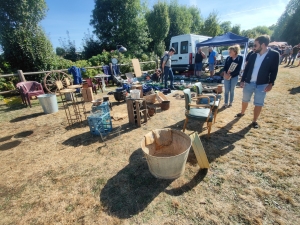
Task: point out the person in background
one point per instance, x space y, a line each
156 76
295 51
298 58
167 70
231 77
212 59
148 79
249 54
259 76
286 52
161 68
198 61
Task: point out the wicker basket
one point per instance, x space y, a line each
150 98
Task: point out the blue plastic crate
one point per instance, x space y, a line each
100 124
101 109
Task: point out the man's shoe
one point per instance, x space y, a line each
255 125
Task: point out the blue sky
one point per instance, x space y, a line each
64 15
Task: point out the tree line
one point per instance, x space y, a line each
127 22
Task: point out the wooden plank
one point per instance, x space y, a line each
199 151
136 67
138 113
21 76
130 111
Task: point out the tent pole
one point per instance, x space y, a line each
245 54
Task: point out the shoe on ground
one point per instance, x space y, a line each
225 106
239 115
254 125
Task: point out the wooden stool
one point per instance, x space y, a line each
135 109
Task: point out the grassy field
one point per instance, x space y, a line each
52 173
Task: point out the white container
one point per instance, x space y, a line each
166 162
48 103
135 94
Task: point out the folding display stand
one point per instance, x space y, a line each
73 106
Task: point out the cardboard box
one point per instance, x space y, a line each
87 94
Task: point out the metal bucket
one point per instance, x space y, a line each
166 161
48 103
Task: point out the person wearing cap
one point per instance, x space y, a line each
167 70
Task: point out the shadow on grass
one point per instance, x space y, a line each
87 138
294 91
21 118
5 108
133 188
220 142
14 143
23 134
6 138
9 145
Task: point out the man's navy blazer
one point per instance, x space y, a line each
268 70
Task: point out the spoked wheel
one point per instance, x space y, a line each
52 77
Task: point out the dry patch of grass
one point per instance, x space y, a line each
54 175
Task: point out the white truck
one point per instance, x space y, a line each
185 47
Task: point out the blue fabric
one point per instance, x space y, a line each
106 70
77 79
168 73
146 88
225 39
211 59
116 69
229 86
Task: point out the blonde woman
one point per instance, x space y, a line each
231 76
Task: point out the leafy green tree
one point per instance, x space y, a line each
70 49
180 21
249 33
225 27
236 29
159 24
197 21
24 43
120 22
91 46
60 51
211 25
287 27
262 30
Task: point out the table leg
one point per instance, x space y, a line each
103 84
